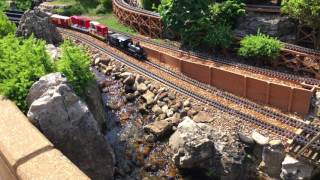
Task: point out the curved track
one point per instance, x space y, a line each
137 18
298 139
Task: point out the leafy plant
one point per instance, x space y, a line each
3 5
260 46
6 26
76 9
227 11
219 36
75 64
22 62
23 4
306 11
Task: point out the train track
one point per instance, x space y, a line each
293 49
229 61
298 139
14 15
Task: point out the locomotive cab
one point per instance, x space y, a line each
136 50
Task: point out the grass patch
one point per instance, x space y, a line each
112 22
63 2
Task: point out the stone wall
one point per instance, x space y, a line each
25 153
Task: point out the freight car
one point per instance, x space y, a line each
85 25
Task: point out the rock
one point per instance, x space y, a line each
140 79
192 112
176 106
114 104
186 103
129 89
161 90
68 123
94 101
295 169
142 88
171 96
203 117
192 144
165 108
143 108
150 138
267 23
170 112
156 109
148 97
162 116
54 52
161 96
38 23
105 61
130 97
96 61
125 75
159 128
259 139
44 83
161 103
129 80
246 139
272 157
198 145
105 83
316 104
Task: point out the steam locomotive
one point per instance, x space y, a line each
83 24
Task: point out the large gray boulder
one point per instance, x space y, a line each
198 145
268 23
68 123
37 22
293 169
272 156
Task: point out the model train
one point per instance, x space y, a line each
100 31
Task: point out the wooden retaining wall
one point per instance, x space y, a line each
286 98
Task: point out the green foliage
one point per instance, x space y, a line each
260 46
306 11
227 11
201 22
22 62
219 36
23 4
6 26
3 5
75 64
104 6
76 9
150 4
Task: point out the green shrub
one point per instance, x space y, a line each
260 46
23 4
227 12
150 5
219 36
6 26
76 9
22 62
75 64
3 5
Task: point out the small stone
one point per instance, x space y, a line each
172 96
246 139
129 89
129 80
259 139
130 97
161 90
148 97
186 103
161 96
140 79
203 117
170 112
161 103
126 75
159 128
156 109
165 108
105 61
142 88
162 116
192 112
143 108
97 61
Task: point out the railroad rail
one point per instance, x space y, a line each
299 139
14 15
149 23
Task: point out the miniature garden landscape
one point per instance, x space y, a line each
160 89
